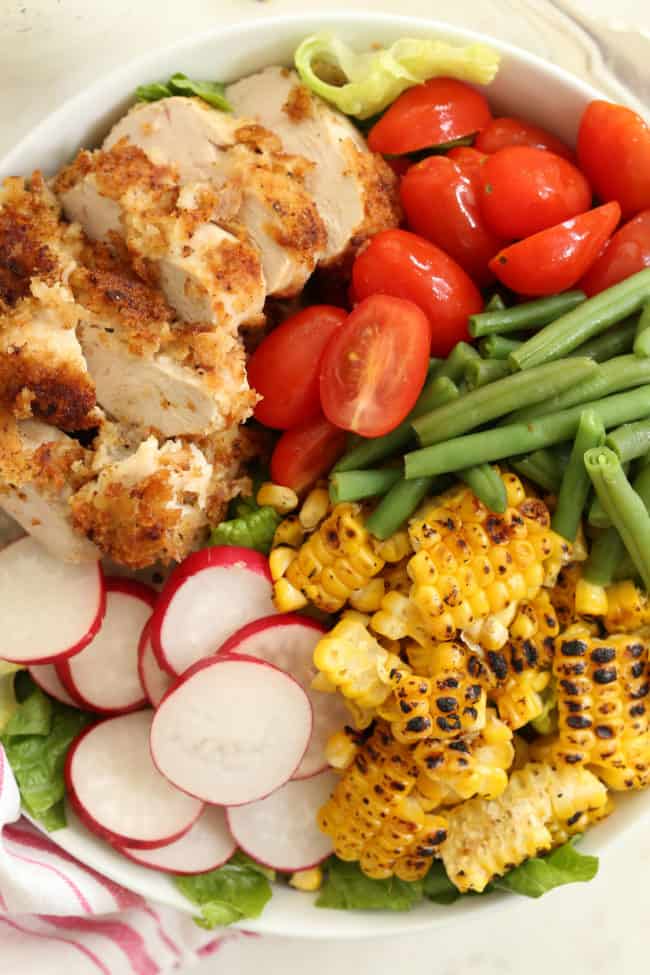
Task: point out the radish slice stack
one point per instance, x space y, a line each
155 681
47 678
206 846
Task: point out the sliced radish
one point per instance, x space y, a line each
281 831
155 681
105 678
49 609
288 642
209 596
117 791
231 730
205 847
47 678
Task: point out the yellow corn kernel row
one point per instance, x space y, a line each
628 609
488 837
457 699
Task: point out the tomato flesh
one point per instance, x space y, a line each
284 368
525 190
502 132
555 259
374 367
405 265
305 453
439 111
614 154
627 252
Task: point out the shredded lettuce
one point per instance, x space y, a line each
365 84
36 739
239 889
212 92
347 888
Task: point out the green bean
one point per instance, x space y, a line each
488 446
355 485
529 315
483 371
623 372
597 516
433 365
398 505
487 485
454 366
630 441
495 303
438 391
642 337
592 317
575 482
626 509
501 397
498 346
608 559
615 341
542 468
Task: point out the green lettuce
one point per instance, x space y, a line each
365 84
537 876
346 888
237 890
36 739
8 702
212 92
254 529
546 722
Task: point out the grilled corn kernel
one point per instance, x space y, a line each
563 594
487 838
603 719
279 561
628 608
368 598
307 880
590 600
398 618
287 598
561 831
341 748
395 548
289 532
281 499
314 508
458 679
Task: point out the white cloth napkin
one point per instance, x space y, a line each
60 917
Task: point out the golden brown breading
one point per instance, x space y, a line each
381 206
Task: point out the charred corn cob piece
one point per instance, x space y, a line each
628 609
457 769
564 595
338 559
579 822
603 689
472 565
399 618
486 838
458 681
374 818
590 599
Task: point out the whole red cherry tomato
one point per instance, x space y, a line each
305 453
627 252
469 159
402 264
439 111
555 259
284 368
502 132
441 204
614 154
525 190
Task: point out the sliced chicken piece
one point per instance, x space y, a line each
183 238
40 467
354 189
169 381
148 507
203 143
42 368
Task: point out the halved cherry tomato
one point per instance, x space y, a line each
441 204
402 264
284 368
525 190
555 259
469 159
431 114
614 154
627 252
502 132
304 454
374 367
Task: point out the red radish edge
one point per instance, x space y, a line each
143 646
139 856
129 587
217 556
91 632
60 694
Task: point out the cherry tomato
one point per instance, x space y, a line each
304 454
627 252
374 367
469 159
555 259
525 190
284 368
614 154
402 264
431 114
440 202
502 132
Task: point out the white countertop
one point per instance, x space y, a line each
48 50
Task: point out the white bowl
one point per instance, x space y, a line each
526 85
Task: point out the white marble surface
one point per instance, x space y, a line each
48 49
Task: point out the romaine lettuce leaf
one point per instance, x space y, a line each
8 702
537 876
211 92
238 889
365 84
254 530
346 888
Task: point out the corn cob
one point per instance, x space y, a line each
563 595
628 609
458 679
454 770
338 559
471 565
603 719
486 838
374 818
579 822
